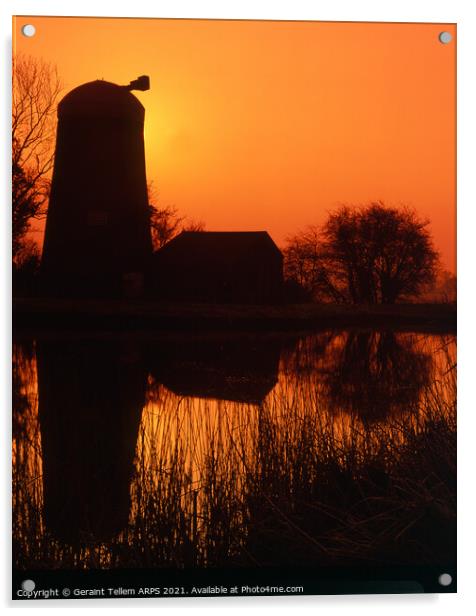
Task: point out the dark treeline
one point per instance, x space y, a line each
373 254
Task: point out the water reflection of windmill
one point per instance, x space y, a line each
240 368
90 401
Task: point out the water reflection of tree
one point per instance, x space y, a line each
303 356
27 468
23 374
376 373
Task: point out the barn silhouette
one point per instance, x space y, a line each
242 267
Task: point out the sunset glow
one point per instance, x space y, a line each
260 125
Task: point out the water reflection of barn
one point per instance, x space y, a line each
222 267
238 368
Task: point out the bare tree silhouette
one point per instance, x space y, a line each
370 255
166 222
36 87
194 225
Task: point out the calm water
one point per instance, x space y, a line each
215 450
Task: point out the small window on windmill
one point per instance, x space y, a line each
97 218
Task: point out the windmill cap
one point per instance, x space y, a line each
141 83
101 98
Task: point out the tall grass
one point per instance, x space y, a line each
294 480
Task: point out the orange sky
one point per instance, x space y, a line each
268 125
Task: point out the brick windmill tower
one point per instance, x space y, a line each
97 236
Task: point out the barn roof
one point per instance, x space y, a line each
231 243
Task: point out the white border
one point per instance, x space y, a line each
448 11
